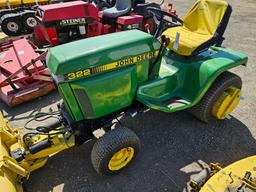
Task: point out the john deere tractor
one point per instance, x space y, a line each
104 78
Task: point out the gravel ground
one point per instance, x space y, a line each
174 146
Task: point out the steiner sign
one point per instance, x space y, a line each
67 22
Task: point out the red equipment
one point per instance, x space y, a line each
23 76
65 22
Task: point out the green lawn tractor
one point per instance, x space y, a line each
104 78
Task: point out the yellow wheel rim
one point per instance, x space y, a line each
121 158
226 103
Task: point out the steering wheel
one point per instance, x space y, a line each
159 15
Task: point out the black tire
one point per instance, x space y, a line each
29 21
11 25
112 142
150 21
203 110
6 11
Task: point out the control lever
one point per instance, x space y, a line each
155 68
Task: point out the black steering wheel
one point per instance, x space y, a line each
160 16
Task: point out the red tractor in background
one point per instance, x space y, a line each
65 22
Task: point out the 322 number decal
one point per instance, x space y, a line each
79 74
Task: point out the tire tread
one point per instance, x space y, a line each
112 141
202 110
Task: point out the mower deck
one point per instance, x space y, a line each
21 79
239 175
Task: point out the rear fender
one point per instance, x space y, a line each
187 79
199 76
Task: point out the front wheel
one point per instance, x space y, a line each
115 151
220 100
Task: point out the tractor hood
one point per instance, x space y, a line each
102 50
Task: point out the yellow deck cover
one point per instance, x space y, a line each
18 3
199 26
3 3
230 178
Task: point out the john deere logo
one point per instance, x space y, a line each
117 64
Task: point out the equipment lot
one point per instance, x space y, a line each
173 145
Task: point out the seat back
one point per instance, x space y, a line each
137 2
208 17
123 4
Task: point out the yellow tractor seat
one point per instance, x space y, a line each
202 27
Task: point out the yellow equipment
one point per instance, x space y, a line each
21 3
237 177
18 158
201 27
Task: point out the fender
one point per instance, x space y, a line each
223 60
183 81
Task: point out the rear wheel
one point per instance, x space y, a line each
11 25
115 151
220 100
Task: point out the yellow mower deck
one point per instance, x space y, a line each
12 173
232 177
18 3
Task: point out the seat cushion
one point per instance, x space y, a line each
112 12
121 8
188 41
